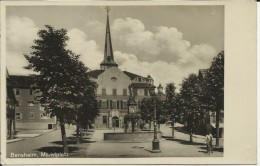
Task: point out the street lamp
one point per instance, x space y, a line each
156 143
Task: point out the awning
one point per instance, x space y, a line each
221 125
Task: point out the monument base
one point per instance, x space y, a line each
156 146
131 137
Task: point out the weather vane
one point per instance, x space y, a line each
107 8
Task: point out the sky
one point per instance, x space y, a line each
166 42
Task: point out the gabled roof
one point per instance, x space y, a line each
203 72
132 76
95 73
20 81
149 77
142 85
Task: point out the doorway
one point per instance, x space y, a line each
49 126
115 121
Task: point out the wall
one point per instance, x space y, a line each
132 137
26 108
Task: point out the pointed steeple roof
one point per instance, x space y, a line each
108 60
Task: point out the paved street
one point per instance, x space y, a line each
95 146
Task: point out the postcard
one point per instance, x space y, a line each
143 82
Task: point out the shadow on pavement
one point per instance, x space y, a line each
184 142
56 149
220 149
205 152
137 147
71 141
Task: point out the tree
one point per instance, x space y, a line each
191 101
147 110
170 104
61 77
214 81
89 108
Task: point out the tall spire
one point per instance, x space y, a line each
108 60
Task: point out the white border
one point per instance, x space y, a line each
235 151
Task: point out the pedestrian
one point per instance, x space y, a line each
209 140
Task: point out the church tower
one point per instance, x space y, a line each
108 60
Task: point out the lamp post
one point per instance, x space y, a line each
156 143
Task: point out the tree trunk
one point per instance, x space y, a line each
217 126
81 136
125 125
191 128
77 138
191 138
63 136
172 129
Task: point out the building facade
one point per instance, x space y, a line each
113 88
29 113
10 108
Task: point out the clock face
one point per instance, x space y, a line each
132 110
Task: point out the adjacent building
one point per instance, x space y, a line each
10 108
29 114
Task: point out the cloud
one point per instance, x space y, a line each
161 71
16 62
161 52
21 31
164 43
88 49
131 36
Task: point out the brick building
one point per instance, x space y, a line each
29 114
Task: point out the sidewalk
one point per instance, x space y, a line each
179 147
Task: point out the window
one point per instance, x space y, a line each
139 104
122 104
114 92
99 104
18 116
18 103
104 119
124 92
17 92
125 104
117 104
44 115
30 103
104 91
111 104
107 104
146 92
31 91
135 92
139 79
31 115
113 79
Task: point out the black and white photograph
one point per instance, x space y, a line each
114 81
